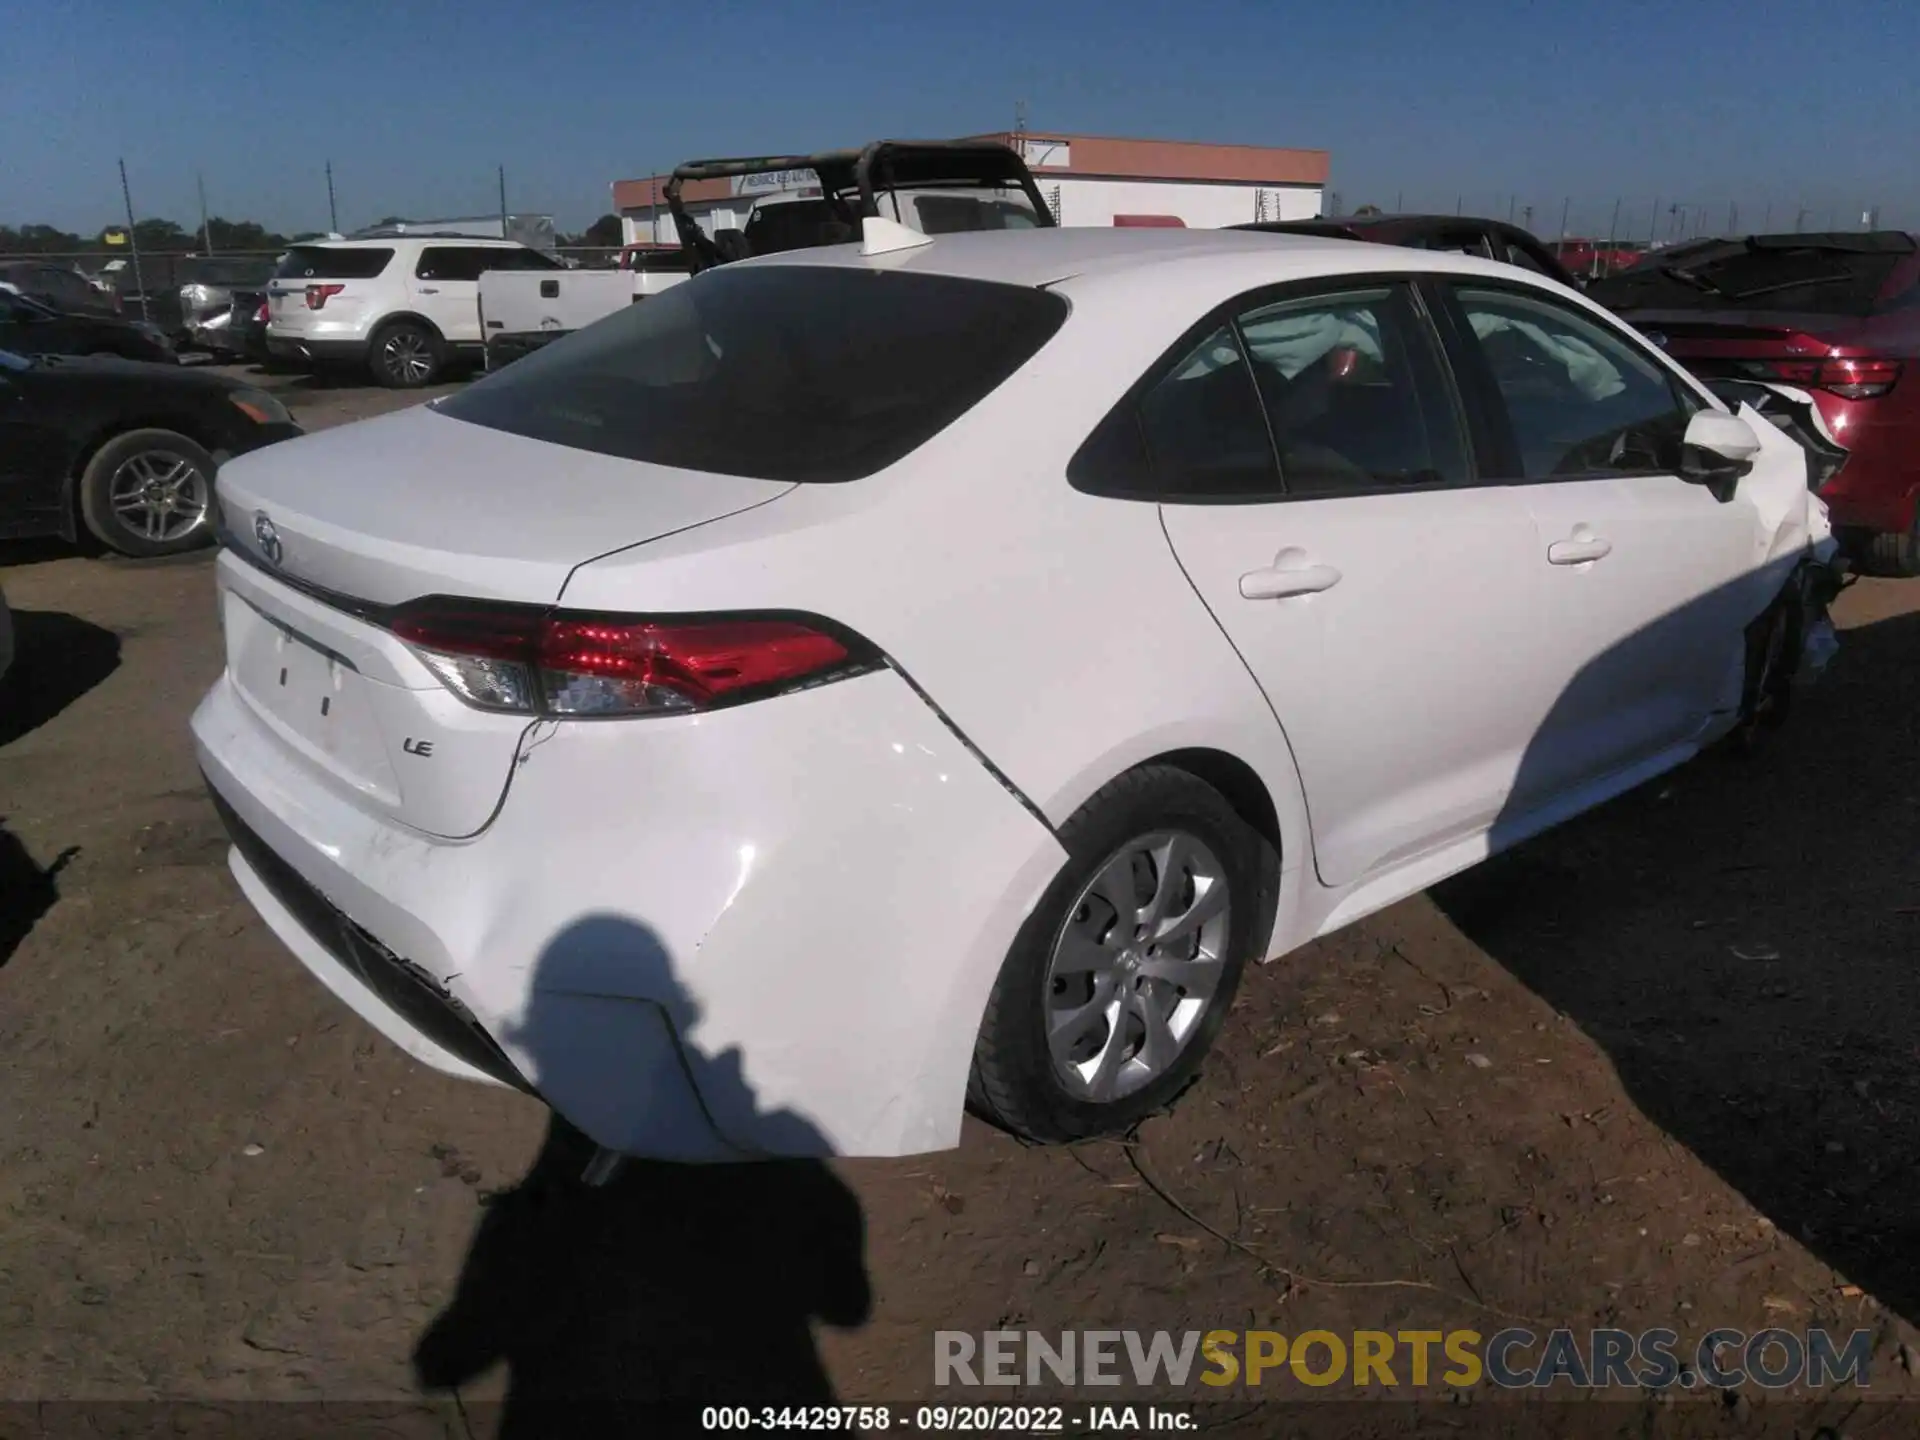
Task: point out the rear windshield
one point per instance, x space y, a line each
324 262
1777 277
776 372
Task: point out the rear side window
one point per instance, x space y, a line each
325 262
468 262
778 372
1353 393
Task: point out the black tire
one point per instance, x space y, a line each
1774 643
1015 1082
108 479
406 355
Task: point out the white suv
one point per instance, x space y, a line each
404 306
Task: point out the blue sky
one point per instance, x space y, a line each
1702 102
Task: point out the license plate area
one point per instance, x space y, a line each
312 697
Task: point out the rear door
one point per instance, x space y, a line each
1636 572
445 285
1370 584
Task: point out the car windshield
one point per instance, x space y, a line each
776 372
1767 273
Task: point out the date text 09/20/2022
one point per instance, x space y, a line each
952 1419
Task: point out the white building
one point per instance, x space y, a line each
1086 180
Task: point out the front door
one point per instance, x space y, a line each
1644 579
1370 584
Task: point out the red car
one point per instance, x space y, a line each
1835 315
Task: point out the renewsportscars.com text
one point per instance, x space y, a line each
1510 1359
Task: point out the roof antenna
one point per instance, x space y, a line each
881 236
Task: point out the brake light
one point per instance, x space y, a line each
318 295
1859 379
525 659
260 316
1849 379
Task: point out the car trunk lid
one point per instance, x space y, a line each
329 534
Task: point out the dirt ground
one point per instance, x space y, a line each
1659 1068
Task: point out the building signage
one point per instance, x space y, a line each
776 180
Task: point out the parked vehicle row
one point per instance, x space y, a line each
791 777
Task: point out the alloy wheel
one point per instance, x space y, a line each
407 356
159 495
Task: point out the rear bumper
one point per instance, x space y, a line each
766 931
317 352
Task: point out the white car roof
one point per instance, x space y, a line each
422 237
1047 256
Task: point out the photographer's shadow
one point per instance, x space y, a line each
670 1285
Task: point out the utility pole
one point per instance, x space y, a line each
1400 202
206 234
502 172
1526 218
333 214
1613 232
1566 206
133 240
1653 225
1457 202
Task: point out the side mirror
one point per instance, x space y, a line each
1717 450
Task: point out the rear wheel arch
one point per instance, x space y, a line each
1238 782
408 317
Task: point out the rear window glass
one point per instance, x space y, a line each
777 372
324 262
1733 277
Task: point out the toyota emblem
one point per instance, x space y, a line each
268 537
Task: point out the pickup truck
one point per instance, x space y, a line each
521 310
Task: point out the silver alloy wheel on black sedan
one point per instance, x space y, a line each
161 495
1123 972
1137 964
149 492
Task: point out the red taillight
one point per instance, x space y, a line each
260 316
532 661
318 295
1849 379
1858 379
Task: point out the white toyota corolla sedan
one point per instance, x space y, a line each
869 681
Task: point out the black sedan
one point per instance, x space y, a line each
125 449
1465 235
28 327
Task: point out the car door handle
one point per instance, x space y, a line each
427 289
1578 551
1277 584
